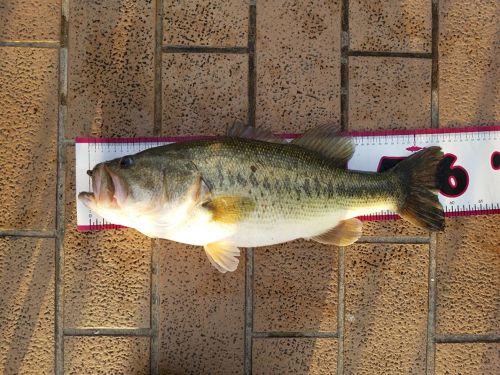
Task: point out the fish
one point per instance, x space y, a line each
250 188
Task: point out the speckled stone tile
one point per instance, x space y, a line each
468 278
207 22
202 313
469 63
106 355
203 93
398 227
106 273
467 359
26 305
111 69
389 93
385 309
30 20
294 356
296 287
298 64
28 128
397 25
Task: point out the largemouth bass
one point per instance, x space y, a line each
250 189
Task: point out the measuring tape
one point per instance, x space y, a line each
468 176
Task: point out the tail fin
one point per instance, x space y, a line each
419 203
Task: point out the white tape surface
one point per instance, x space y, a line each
469 177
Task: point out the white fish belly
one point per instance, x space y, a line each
200 230
253 234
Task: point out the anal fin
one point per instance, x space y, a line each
345 233
223 255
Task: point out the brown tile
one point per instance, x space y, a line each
26 305
106 273
106 355
296 287
468 279
385 309
30 20
111 70
203 93
392 228
298 64
469 62
28 125
294 356
401 25
467 359
389 93
202 313
207 22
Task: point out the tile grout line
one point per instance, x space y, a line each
96 331
154 302
406 55
31 43
344 66
304 334
252 62
203 49
248 334
344 126
431 314
411 240
431 307
466 338
27 233
154 308
435 66
60 193
249 263
340 310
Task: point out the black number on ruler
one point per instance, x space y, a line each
388 162
453 180
495 160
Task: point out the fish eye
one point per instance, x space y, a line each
126 162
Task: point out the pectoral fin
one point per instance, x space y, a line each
223 255
229 209
345 233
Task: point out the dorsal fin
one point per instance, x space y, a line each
241 130
325 141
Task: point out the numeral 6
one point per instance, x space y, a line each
453 180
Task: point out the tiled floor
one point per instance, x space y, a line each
400 302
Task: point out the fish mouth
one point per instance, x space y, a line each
108 189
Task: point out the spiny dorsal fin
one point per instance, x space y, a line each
223 255
324 140
229 209
345 233
241 130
